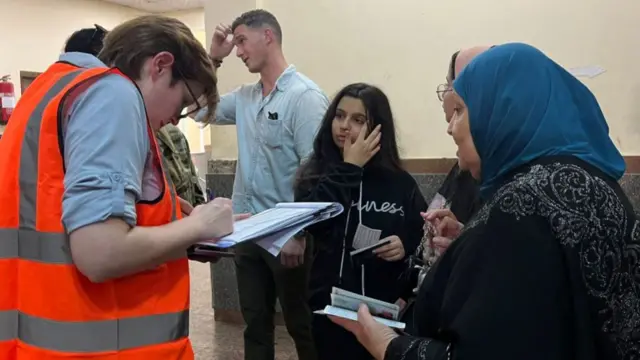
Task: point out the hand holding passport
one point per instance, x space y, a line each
366 254
345 304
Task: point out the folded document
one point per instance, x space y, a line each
272 228
345 304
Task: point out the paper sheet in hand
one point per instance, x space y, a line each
352 315
345 304
272 228
274 243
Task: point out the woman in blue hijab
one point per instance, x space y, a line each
530 107
547 269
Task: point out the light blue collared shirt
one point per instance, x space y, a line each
106 145
275 134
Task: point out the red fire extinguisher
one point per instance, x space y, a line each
7 98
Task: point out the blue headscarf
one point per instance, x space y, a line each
523 106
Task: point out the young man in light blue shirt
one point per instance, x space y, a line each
277 119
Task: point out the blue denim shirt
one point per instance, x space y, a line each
275 134
106 146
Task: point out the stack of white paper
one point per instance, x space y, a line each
345 304
272 228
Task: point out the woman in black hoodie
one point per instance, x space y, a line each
359 168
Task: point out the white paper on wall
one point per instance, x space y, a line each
8 102
587 71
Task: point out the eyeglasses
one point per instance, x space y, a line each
441 90
193 96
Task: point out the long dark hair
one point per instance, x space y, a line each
325 151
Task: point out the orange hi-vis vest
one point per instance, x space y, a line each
48 309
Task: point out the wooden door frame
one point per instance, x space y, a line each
27 76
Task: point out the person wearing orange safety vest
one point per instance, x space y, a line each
93 238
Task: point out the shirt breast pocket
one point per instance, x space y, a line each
273 130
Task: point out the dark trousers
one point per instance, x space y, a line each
262 278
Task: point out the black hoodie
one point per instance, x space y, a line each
391 202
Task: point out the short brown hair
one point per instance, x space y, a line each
258 18
129 44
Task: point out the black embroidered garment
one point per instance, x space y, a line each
548 269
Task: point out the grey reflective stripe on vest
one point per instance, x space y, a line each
53 248
8 325
93 336
29 153
50 248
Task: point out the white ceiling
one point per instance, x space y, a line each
160 6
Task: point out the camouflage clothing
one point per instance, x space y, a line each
175 149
